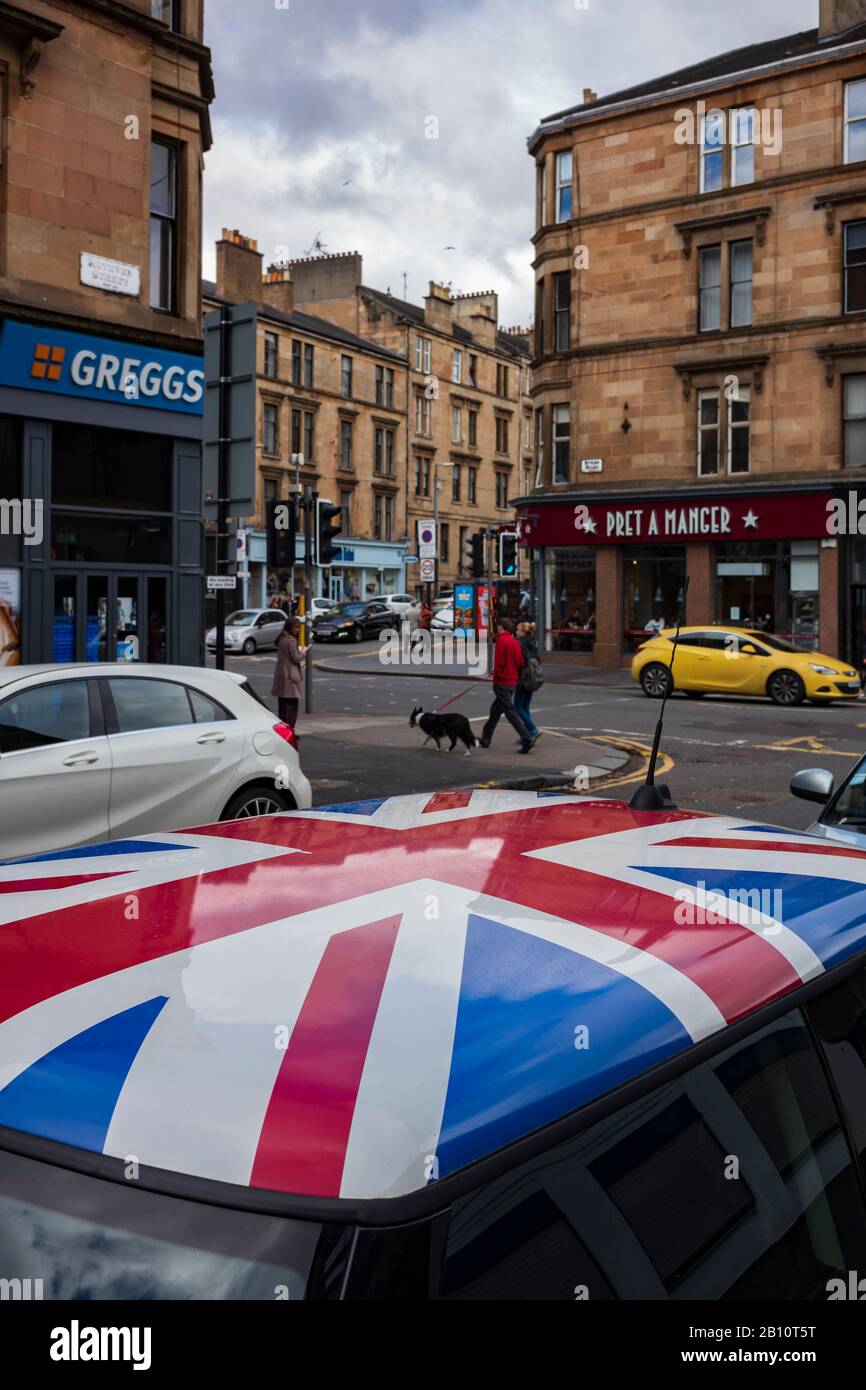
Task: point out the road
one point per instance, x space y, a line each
729 755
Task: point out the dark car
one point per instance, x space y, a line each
353 622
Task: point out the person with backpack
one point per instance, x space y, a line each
531 676
507 666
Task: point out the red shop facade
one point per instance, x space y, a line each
611 569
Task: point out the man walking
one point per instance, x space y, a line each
508 662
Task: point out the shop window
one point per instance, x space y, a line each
112 469
854 394
653 583
770 586
572 600
163 226
110 539
855 121
561 443
855 267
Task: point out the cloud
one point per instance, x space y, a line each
321 119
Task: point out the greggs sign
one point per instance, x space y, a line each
770 516
103 369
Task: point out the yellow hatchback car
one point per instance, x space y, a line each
740 661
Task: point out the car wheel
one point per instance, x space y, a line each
249 646
358 634
786 688
257 801
655 680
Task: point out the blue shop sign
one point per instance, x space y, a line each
39 358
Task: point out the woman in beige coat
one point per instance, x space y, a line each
289 673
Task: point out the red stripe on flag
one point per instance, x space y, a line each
302 1146
45 885
783 846
447 801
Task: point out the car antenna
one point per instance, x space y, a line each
649 797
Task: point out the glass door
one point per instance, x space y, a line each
109 617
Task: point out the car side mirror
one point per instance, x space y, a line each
815 784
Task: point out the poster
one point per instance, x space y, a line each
464 607
10 617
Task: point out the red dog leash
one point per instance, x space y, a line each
440 708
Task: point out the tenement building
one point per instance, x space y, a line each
101 381
331 415
469 410
699 385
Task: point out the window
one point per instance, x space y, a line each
457 366
444 542
713 151
422 415
461 557
501 435
422 354
562 310
743 124
561 443
741 283
473 428
855 121
709 423
296 364
456 424
501 490
167 12
711 288
473 369
163 226
502 381
385 387
541 342
855 421
564 166
303 444
383 517
205 710
270 489
296 432
308 364
271 428
738 431
346 508
855 267
656 1171
422 476
346 377
46 714
145 704
527 431
455 483
383 458
472 485
308 437
346 444
539 447
272 349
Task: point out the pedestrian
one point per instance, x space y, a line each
289 672
424 616
508 662
531 677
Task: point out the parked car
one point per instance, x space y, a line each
320 606
443 618
519 1097
352 622
97 752
844 814
444 599
250 630
403 606
740 661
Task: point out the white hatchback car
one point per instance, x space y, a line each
403 606
105 751
249 630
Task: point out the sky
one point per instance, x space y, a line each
323 116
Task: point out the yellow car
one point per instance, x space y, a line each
740 661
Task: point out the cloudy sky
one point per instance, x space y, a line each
322 107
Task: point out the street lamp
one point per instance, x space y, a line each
436 466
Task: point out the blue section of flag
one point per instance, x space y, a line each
97 852
515 1066
829 914
357 808
764 830
69 1095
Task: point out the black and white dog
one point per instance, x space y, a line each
439 726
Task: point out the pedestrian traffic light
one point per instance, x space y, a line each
508 554
281 525
329 524
475 555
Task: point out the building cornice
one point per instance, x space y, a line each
31 33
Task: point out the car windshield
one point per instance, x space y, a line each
346 610
777 643
850 804
241 619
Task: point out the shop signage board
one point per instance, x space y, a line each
722 516
221 581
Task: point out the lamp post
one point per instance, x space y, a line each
436 466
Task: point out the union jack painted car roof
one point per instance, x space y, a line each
357 1001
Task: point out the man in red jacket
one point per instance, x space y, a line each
508 662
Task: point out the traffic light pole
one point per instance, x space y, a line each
309 505
488 536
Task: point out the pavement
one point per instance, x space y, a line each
336 660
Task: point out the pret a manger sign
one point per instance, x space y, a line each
638 523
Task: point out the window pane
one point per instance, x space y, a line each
740 449
146 704
714 130
565 204
856 92
743 126
206 710
856 141
711 310
855 396
855 289
743 170
162 179
55 713
741 304
741 260
161 264
709 407
711 267
855 444
713 170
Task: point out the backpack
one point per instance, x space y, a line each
532 675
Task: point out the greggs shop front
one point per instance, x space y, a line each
611 571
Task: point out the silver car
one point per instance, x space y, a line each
250 630
844 814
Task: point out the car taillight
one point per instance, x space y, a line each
285 732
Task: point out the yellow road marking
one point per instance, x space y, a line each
640 750
809 744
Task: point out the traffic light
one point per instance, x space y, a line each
508 554
281 525
329 524
475 555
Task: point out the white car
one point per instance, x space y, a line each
104 752
403 606
249 630
321 606
442 618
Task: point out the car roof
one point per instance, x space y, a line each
340 1003
10 675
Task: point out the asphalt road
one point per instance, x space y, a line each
728 755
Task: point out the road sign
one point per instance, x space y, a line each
428 571
426 540
221 581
